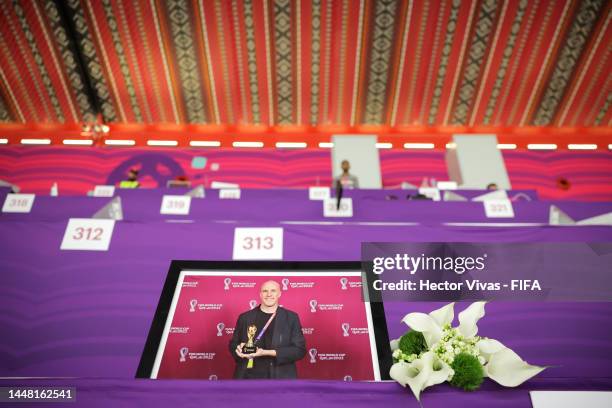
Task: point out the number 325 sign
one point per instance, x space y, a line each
258 243
88 234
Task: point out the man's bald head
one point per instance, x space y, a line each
271 282
269 293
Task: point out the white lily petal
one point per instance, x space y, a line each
468 319
425 324
440 370
508 369
419 374
408 374
403 372
400 372
444 315
394 344
489 346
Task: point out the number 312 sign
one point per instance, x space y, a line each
88 234
258 243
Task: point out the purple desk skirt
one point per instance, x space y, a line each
87 314
105 393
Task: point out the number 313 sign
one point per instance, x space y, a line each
258 243
88 234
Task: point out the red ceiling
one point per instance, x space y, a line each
310 66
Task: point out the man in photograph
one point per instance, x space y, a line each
272 336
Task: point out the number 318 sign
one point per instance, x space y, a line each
258 243
88 234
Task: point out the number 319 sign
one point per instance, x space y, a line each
88 234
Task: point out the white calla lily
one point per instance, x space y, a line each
486 347
506 368
406 374
425 324
468 319
441 371
444 315
421 373
444 343
430 325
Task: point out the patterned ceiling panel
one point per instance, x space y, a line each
307 62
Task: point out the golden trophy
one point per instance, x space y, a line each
250 347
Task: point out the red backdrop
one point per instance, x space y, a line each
330 308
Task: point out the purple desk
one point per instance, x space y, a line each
290 206
297 193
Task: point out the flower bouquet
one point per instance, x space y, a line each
434 352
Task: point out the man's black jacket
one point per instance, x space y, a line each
287 340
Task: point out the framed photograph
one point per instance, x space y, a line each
196 319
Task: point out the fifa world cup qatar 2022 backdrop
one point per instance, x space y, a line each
335 321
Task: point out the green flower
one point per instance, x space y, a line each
413 342
468 372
